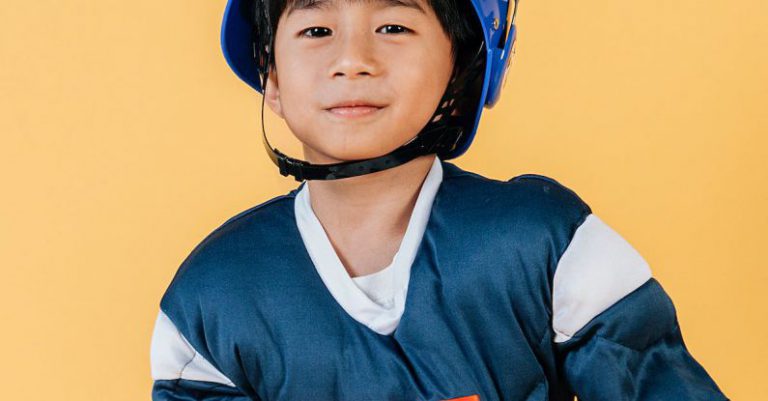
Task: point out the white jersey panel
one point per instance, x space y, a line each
598 268
173 357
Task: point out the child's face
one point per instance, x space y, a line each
353 52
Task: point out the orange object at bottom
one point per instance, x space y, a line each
467 398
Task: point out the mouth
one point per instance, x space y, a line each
354 109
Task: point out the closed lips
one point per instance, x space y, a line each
354 108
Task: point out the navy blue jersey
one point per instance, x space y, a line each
517 292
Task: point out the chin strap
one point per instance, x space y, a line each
439 137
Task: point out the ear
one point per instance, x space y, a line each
272 93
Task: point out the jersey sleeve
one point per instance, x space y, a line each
615 328
180 373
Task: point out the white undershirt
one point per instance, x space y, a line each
379 286
376 300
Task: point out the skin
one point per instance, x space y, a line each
394 56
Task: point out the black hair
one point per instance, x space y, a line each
457 17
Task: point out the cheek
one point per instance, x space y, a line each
293 76
295 82
422 85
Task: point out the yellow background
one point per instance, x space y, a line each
126 139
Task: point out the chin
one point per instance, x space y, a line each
334 154
339 148
354 154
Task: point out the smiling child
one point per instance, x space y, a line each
390 273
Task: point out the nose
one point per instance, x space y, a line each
355 56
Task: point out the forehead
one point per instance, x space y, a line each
295 5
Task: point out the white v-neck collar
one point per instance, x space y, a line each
341 286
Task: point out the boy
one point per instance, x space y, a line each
391 274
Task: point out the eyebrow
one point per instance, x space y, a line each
324 4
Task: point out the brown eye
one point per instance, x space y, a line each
397 28
315 31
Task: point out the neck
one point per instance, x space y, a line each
383 200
